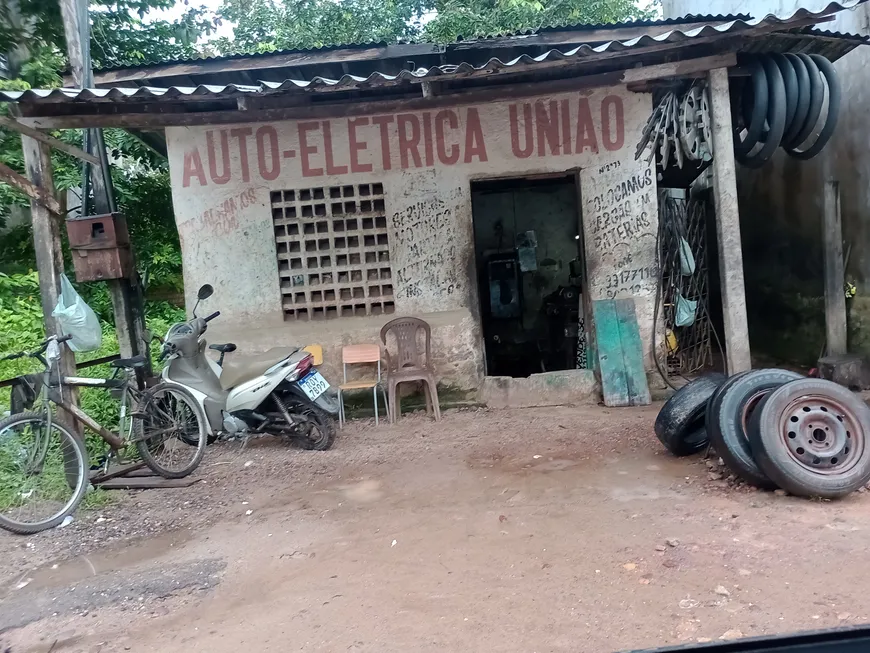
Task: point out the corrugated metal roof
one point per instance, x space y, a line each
566 27
737 27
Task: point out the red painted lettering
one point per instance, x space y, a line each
427 139
474 143
449 117
613 139
306 150
193 167
525 151
224 177
409 144
242 134
383 122
357 146
585 129
547 127
270 167
331 168
565 113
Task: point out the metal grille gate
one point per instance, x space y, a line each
689 348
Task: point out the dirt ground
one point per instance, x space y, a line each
559 529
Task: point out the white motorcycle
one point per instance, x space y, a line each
275 393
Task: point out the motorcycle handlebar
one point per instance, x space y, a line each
212 316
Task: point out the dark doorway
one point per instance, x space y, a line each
529 266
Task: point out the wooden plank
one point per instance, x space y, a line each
34 192
835 274
632 353
49 255
611 365
56 143
728 227
269 109
117 470
147 483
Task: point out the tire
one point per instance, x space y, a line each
816 94
320 419
680 423
728 415
756 113
777 108
810 437
827 69
803 99
154 412
75 470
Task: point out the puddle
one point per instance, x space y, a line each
111 559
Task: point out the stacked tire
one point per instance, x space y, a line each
774 429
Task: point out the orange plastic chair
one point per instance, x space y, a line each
410 363
358 355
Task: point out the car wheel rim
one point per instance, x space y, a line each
821 434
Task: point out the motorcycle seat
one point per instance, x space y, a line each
129 363
224 349
240 369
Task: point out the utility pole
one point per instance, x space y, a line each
126 294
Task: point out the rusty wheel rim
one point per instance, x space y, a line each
750 406
821 434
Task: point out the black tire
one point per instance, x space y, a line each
827 69
777 107
75 464
319 418
812 438
728 415
803 99
816 94
151 411
757 111
680 423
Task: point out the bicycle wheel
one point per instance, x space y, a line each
170 430
43 473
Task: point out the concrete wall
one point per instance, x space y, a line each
222 178
781 207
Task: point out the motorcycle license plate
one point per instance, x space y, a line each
313 385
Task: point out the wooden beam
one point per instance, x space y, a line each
49 255
835 275
273 108
34 192
728 227
56 143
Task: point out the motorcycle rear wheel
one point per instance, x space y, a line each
318 431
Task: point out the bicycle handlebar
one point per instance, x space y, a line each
39 350
212 316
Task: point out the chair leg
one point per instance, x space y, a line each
428 395
433 391
395 407
387 408
375 397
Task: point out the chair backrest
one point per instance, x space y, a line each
316 352
355 354
405 330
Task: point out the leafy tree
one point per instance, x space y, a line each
266 25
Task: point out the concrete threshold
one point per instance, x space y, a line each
567 387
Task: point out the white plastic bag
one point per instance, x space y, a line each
77 319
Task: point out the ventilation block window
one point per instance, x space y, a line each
333 251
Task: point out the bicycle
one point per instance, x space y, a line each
44 471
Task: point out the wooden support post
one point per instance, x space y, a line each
49 256
126 294
728 226
835 274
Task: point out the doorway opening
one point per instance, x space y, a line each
529 257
